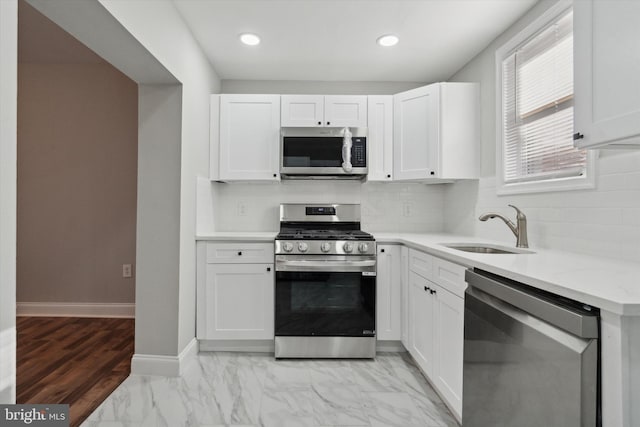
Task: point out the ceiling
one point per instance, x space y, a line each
335 40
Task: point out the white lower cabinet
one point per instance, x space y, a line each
436 323
234 299
449 339
421 322
388 293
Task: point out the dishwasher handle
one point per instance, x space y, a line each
580 323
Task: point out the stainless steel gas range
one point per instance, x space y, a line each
325 301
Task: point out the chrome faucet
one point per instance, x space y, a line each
520 230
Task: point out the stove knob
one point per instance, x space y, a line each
325 247
363 247
287 246
303 247
348 247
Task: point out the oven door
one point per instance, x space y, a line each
320 296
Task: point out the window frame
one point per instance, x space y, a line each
586 181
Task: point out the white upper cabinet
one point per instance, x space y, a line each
435 134
380 137
249 138
324 111
302 110
606 73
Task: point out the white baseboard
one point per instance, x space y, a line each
250 346
75 309
390 346
165 366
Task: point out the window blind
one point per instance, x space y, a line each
537 97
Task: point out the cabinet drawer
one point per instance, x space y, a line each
450 276
240 253
421 263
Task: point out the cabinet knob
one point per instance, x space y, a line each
319 123
268 268
426 288
328 123
432 173
577 136
382 250
275 175
389 176
239 253
433 291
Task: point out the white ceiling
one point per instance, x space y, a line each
334 40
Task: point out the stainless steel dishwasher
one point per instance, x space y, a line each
531 358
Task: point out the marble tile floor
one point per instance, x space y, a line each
243 389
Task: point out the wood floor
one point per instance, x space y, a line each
78 361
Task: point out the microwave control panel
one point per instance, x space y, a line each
359 152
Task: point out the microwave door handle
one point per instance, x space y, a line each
346 151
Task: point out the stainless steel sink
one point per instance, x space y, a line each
482 248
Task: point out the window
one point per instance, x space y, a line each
535 110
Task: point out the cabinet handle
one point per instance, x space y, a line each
577 136
268 268
239 253
319 123
328 123
382 250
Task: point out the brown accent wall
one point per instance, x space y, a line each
77 180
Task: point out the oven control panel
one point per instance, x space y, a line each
326 247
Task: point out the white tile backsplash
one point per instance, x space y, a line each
604 221
385 206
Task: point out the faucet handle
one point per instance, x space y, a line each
520 214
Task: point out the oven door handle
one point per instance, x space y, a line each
331 266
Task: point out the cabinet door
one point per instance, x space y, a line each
388 293
607 71
238 302
249 137
348 111
404 307
421 328
302 110
380 139
449 313
416 133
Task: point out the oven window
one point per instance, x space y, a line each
324 304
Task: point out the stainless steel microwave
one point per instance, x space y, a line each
322 153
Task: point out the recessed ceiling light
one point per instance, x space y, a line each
388 40
249 39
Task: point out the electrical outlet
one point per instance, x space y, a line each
126 270
242 209
406 209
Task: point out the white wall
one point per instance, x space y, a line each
385 206
150 43
8 114
604 221
159 27
316 87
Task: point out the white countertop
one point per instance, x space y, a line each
601 282
247 236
